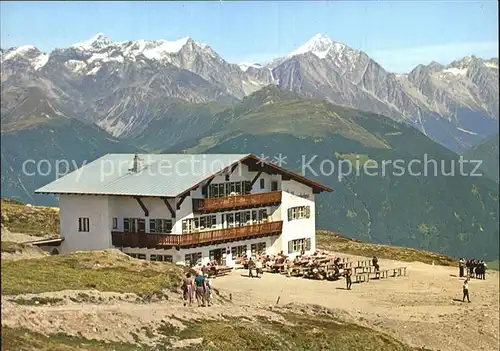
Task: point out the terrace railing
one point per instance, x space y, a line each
236 202
149 240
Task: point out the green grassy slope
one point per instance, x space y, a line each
487 152
456 215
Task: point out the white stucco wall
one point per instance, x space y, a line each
297 228
72 207
127 207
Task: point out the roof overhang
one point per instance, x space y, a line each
256 164
47 242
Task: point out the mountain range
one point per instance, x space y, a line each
123 86
324 99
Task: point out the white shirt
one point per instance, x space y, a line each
466 285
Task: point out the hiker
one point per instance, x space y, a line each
481 270
466 290
348 281
208 284
187 289
461 264
201 289
251 267
376 265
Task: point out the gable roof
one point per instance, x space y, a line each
112 175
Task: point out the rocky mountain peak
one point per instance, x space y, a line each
318 45
98 41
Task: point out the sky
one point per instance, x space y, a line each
398 34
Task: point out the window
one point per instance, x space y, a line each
141 225
159 225
274 186
225 189
115 223
262 183
299 212
243 218
263 215
132 255
258 249
199 223
83 224
161 258
133 225
192 259
238 251
298 245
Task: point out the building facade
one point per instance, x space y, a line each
240 206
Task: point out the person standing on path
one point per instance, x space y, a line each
187 289
348 281
251 267
201 289
208 284
466 290
461 264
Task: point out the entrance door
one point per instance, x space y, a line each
216 255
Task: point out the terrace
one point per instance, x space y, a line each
209 237
220 204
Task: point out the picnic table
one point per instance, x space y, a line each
222 270
276 267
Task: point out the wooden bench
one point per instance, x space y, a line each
363 269
360 278
223 270
365 263
380 274
398 272
276 268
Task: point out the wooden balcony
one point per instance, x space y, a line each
237 202
147 240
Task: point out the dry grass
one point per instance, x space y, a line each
108 270
298 331
34 220
335 242
14 339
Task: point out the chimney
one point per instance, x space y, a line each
136 165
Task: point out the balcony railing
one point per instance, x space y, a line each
122 239
237 201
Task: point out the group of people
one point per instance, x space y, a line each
200 287
472 268
313 266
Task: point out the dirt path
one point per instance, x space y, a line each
420 309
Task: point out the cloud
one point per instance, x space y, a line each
404 60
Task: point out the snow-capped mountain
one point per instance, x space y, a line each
121 86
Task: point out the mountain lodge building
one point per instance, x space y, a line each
210 207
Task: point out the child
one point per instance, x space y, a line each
208 283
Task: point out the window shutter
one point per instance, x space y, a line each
308 211
308 244
289 214
290 246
